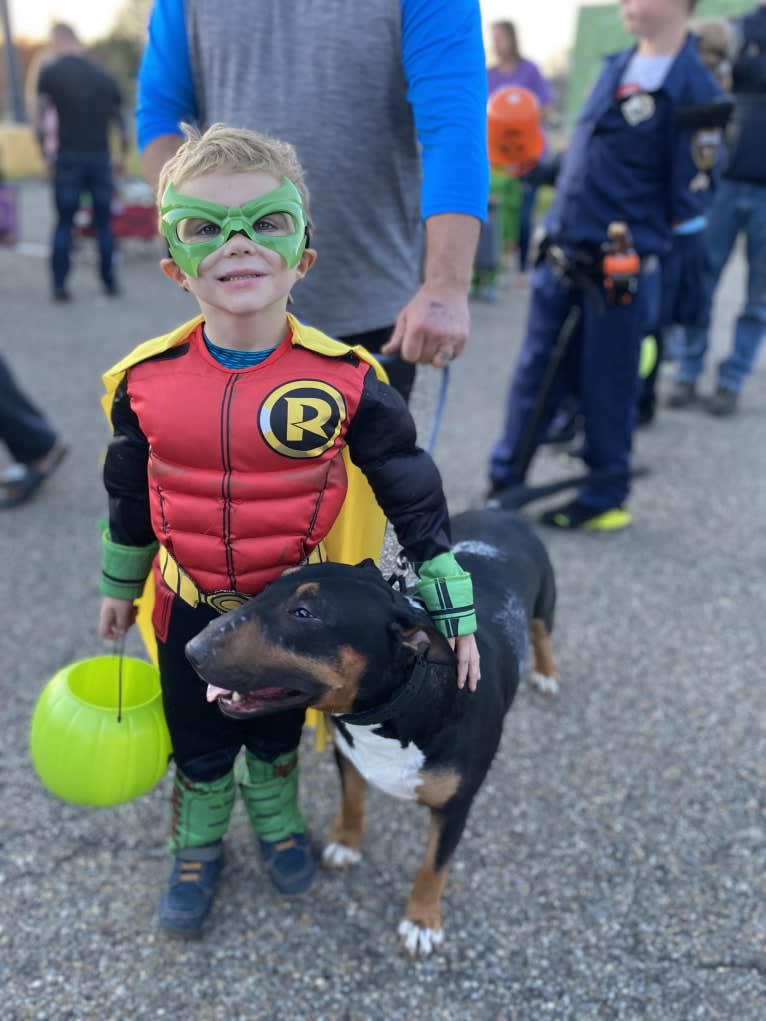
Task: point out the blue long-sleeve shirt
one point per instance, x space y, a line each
442 54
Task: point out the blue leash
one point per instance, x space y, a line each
441 400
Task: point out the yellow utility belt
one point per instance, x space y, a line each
222 600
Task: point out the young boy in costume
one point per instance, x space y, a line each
633 159
237 440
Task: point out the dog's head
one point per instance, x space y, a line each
335 637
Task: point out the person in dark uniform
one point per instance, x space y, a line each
739 205
631 161
86 100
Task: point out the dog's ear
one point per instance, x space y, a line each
415 640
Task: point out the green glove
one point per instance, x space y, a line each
124 568
447 592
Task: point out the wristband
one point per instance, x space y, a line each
447 591
124 568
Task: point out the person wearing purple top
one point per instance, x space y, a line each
513 69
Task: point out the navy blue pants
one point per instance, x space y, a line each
74 174
600 369
23 427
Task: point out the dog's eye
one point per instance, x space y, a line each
302 612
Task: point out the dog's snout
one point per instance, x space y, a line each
197 651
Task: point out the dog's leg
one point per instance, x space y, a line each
421 928
545 674
344 844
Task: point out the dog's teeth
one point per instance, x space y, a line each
236 697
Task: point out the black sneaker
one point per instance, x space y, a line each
723 402
683 395
579 517
61 294
112 290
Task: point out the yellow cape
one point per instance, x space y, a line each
358 529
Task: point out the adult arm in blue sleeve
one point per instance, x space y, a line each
445 67
443 59
165 86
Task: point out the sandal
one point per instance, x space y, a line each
19 482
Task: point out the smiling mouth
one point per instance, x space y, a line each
249 275
266 700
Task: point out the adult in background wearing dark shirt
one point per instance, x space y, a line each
86 99
739 205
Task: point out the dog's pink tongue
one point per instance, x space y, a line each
214 693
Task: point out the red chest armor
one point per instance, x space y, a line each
246 474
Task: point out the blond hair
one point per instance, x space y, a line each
231 150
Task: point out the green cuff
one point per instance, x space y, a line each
447 591
124 568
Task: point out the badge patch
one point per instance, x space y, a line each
638 108
705 146
700 182
302 418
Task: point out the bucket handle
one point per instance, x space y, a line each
120 650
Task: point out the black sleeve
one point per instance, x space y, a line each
404 478
44 82
125 475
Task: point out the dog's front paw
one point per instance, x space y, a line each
545 685
339 856
417 940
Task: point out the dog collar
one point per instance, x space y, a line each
405 694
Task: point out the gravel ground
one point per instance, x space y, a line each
612 867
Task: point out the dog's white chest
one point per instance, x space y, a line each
382 761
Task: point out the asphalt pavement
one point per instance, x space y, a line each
613 864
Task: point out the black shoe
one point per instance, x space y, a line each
61 294
683 395
723 402
493 496
645 416
112 290
575 516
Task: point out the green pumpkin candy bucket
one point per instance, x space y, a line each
98 734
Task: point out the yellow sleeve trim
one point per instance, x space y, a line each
147 349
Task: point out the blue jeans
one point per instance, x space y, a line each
75 173
737 206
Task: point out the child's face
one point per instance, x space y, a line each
241 277
648 17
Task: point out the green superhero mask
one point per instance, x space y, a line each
193 228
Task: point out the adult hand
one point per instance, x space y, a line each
433 327
116 617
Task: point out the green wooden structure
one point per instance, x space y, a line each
600 31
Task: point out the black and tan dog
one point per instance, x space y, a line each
342 640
